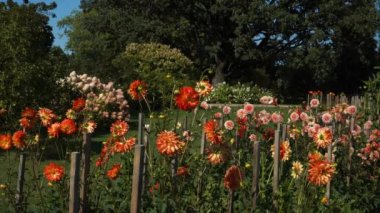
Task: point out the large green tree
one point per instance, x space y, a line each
29 65
289 45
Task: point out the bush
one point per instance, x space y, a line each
238 93
158 63
372 92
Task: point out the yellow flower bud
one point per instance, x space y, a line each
232 141
247 165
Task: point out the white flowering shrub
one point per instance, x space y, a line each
102 100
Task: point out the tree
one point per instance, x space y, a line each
269 42
162 67
28 63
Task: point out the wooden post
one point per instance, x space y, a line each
146 144
20 183
284 131
350 147
230 201
329 158
236 140
276 165
86 161
138 164
74 183
256 173
203 138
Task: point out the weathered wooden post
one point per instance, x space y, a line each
256 173
236 139
350 150
276 165
284 131
74 200
203 137
86 161
138 164
146 144
329 158
231 201
20 183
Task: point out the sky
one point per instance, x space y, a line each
64 8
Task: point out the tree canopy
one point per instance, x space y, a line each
291 46
29 65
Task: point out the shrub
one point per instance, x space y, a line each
158 63
238 93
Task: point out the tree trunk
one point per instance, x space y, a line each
219 71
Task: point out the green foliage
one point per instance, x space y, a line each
238 93
289 46
372 92
162 67
29 66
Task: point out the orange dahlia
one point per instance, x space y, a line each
5 142
323 137
212 133
168 143
122 147
320 170
26 123
215 158
233 178
204 88
18 139
28 113
114 172
47 116
54 130
79 104
187 98
154 188
138 90
182 171
285 150
68 126
53 172
119 128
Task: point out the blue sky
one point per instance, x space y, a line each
64 8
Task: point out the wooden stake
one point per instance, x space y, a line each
86 161
203 138
329 158
146 144
231 201
276 166
256 173
284 131
20 183
74 182
138 164
350 147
